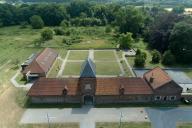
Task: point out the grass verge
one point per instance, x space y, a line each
124 125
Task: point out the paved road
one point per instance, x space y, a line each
168 117
87 116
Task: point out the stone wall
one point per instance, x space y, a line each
56 99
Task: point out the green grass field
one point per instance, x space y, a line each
72 68
54 69
124 125
104 55
188 73
107 68
78 55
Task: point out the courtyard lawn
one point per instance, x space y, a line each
184 125
62 52
107 68
78 55
104 55
72 68
54 69
124 125
188 73
126 69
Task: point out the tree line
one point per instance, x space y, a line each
167 32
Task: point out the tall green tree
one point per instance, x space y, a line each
126 40
181 42
130 19
36 22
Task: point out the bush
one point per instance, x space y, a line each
36 22
140 59
108 29
156 56
23 25
47 34
126 40
168 58
59 31
64 23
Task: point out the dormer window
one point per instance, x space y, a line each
65 90
121 90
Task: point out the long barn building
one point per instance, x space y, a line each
155 86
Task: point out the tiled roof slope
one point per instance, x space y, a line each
54 87
104 86
157 77
43 62
111 86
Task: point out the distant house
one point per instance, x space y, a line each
38 65
155 86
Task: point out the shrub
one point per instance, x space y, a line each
59 31
36 22
64 23
108 29
168 58
140 59
47 34
156 56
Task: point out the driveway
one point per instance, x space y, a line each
87 116
168 117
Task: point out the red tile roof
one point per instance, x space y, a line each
104 86
54 87
159 76
111 86
43 62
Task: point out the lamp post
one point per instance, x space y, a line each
121 115
48 120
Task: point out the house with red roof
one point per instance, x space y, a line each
39 65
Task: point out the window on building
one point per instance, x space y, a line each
87 87
157 97
172 97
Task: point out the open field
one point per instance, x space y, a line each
123 125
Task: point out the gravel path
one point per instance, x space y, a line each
63 64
